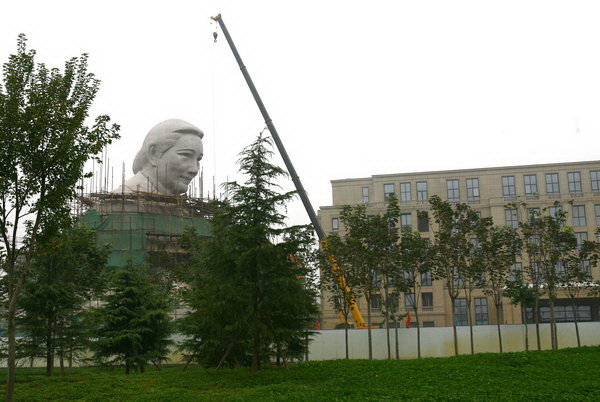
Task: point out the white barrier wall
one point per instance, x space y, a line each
439 341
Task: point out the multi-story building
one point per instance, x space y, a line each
575 185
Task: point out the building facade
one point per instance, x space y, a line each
575 185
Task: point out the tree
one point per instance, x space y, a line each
45 144
414 266
333 281
548 242
252 295
367 250
452 248
67 271
498 249
524 294
133 324
577 274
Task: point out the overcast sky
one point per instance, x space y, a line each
354 88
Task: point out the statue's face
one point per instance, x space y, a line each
179 164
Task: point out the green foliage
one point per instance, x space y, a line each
251 295
545 375
133 324
45 145
67 272
453 249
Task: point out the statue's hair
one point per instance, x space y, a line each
163 136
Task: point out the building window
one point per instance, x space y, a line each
335 224
460 312
453 190
552 187
365 195
422 192
473 190
422 223
428 323
595 178
481 311
565 313
581 237
553 211
597 211
511 218
409 300
405 220
376 301
530 181
427 300
389 190
515 272
574 180
405 192
533 213
579 215
509 190
426 278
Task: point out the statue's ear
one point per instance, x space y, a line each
153 155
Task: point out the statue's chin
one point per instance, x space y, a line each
180 188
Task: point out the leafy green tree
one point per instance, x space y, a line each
66 273
452 248
368 253
576 276
45 144
520 292
548 242
333 281
414 265
252 293
133 324
498 248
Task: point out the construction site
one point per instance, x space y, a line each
135 224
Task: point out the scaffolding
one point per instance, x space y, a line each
136 224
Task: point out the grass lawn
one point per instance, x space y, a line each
550 375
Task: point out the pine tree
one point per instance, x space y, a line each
67 271
134 324
252 295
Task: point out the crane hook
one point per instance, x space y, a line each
215 36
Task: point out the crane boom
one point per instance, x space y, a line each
360 322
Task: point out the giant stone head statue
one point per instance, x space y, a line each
168 160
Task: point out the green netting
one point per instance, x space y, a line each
131 235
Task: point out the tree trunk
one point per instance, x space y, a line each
256 352
62 363
470 321
454 327
222 361
12 352
70 356
369 329
278 354
418 333
346 337
49 350
536 315
553 335
387 324
498 307
576 324
397 348
524 319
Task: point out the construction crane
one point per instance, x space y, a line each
356 315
